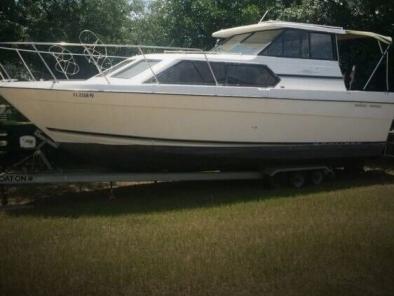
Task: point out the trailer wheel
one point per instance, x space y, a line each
317 177
4 197
297 180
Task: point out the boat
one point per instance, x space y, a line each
271 93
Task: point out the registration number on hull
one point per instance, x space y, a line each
83 94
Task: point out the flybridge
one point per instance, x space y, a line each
298 40
275 25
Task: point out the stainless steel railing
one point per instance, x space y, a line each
63 56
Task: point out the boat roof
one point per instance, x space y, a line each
272 25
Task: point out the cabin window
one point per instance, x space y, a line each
302 45
290 44
231 74
186 72
249 75
135 69
321 46
115 67
231 44
250 43
295 44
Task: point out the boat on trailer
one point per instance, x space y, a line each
268 94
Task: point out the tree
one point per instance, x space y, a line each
54 20
190 23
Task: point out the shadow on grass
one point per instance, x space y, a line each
162 197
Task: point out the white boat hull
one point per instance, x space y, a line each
148 127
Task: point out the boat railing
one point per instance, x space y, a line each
65 58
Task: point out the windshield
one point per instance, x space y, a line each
115 67
135 69
249 43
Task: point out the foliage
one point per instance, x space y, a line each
177 22
64 19
190 23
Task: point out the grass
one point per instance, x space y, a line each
220 238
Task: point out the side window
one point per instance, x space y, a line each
182 73
204 72
186 72
220 70
321 46
291 44
135 69
275 49
295 44
198 72
250 75
302 44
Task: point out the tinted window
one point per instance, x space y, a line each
321 46
186 72
291 44
251 43
275 49
198 72
220 70
301 44
229 44
204 71
295 44
250 75
115 67
135 69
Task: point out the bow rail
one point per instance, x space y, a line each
68 58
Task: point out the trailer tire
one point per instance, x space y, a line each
316 178
4 197
297 180
273 182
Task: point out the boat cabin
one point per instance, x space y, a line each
271 54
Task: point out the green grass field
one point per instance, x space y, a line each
220 238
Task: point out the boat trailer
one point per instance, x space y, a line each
13 179
23 173
36 169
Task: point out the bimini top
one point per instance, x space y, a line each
272 25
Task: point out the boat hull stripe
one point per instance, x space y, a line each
129 137
310 76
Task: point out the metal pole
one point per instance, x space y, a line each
97 66
5 71
387 72
376 68
265 14
24 63
387 65
210 69
380 47
337 46
2 76
45 63
150 67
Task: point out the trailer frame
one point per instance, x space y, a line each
20 178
